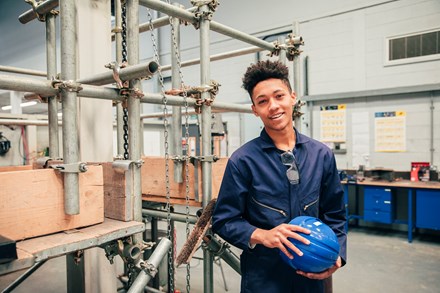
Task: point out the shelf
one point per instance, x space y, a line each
41 248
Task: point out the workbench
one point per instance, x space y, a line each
38 249
380 198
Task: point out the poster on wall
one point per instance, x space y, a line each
390 131
333 123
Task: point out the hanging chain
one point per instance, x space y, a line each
185 97
124 61
167 155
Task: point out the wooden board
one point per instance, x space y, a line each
32 202
400 183
15 168
154 175
117 199
45 247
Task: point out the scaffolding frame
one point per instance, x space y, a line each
69 87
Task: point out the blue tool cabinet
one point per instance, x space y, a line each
378 204
428 209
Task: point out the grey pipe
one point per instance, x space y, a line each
144 277
119 109
25 122
44 88
174 216
208 259
176 81
134 109
69 39
127 73
159 22
42 8
22 71
216 57
23 277
217 27
227 255
51 61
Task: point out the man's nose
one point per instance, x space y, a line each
273 104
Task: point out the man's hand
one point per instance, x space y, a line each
323 275
278 238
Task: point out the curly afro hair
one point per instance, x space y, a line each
263 70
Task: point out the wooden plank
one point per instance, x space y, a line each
32 202
117 199
44 247
15 168
176 201
69 241
153 179
402 183
24 260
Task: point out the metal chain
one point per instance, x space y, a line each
185 97
167 155
124 60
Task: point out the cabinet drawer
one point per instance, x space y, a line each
377 216
427 205
378 199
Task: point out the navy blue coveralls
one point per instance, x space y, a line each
255 192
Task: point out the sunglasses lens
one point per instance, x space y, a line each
287 158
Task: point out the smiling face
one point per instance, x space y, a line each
273 103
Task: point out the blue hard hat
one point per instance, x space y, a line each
321 253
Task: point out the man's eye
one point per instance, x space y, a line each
261 102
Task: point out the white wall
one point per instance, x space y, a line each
344 41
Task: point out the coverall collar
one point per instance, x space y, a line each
267 142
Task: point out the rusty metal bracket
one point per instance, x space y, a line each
79 167
66 85
293 44
116 68
211 158
40 17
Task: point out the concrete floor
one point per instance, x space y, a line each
378 261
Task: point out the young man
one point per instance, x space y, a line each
272 179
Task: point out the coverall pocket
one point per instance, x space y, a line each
265 213
310 204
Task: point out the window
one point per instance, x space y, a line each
415 46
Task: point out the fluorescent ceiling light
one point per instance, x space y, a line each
26 104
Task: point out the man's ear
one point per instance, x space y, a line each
255 112
293 95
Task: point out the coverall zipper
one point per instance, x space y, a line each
310 204
269 207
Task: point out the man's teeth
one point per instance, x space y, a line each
276 116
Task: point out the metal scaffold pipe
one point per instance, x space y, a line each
217 57
160 22
134 109
118 47
176 82
150 271
41 8
153 98
22 70
70 110
174 216
143 70
205 77
215 26
52 103
45 88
